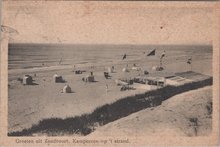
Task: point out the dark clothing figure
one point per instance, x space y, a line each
124 56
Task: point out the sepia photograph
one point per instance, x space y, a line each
109 69
84 89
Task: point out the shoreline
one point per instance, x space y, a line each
79 66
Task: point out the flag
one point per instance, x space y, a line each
124 56
152 53
163 55
189 61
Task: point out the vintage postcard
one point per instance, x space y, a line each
89 73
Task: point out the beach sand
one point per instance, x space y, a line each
29 104
174 117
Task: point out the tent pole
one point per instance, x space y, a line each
191 64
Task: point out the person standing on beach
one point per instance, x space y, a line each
106 88
124 57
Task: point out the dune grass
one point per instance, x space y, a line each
86 123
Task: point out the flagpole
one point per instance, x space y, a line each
191 66
160 62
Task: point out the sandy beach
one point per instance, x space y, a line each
29 104
174 116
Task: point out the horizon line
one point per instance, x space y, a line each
37 43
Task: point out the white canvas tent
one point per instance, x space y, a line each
27 80
67 89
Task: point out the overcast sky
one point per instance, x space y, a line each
107 22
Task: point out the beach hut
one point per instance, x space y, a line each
157 81
106 75
27 80
58 78
146 72
90 78
67 89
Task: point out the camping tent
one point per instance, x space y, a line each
67 89
90 78
58 78
27 80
